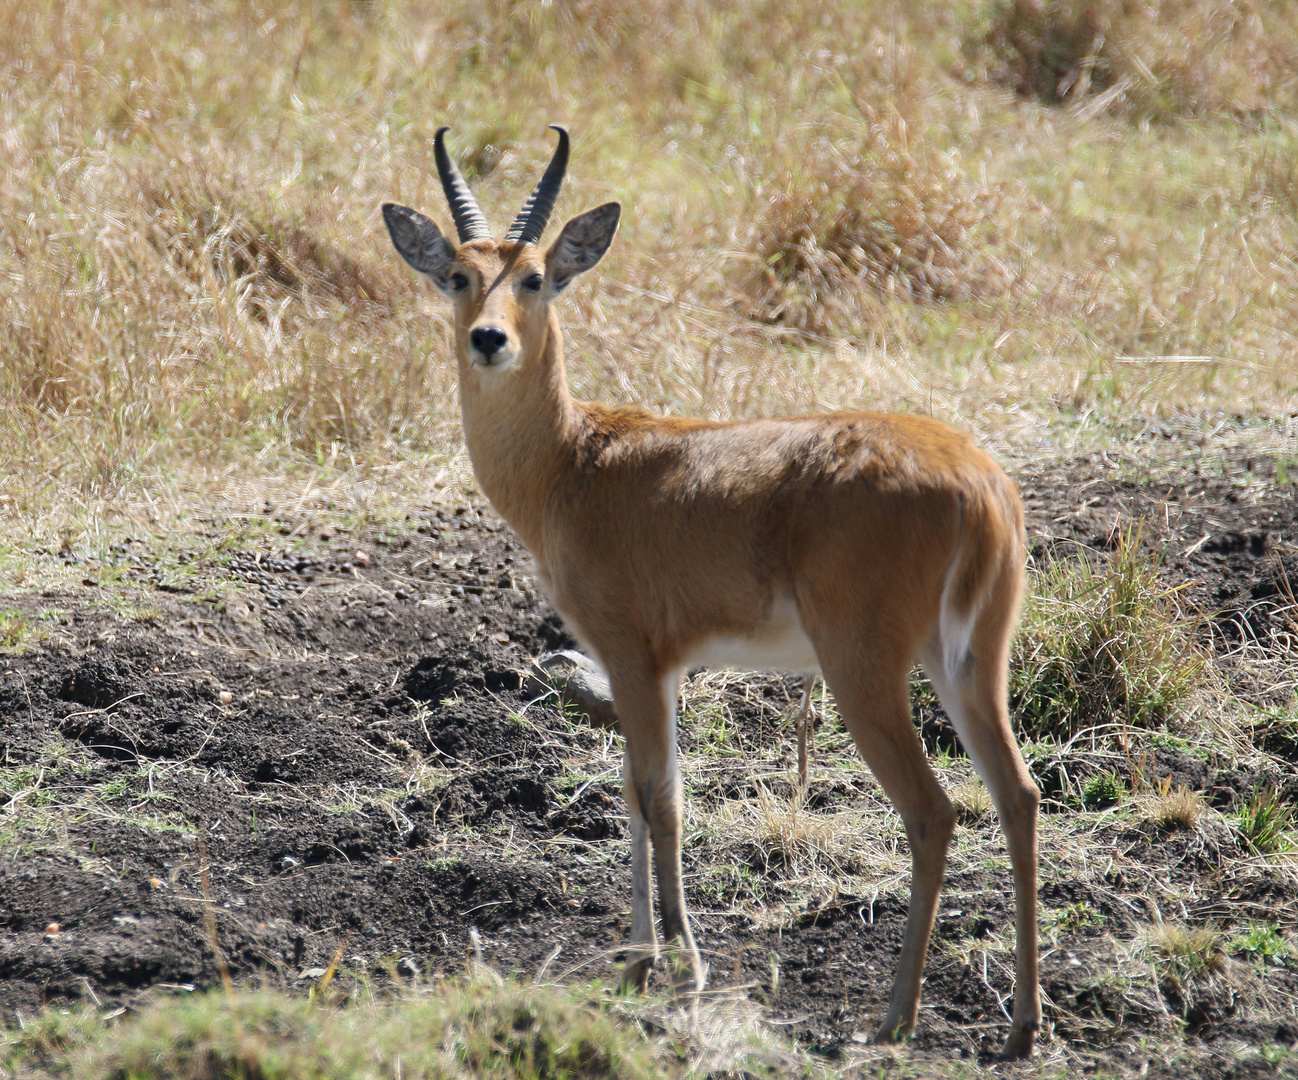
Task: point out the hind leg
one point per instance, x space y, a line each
871 684
806 727
974 697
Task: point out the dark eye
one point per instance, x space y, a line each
459 282
533 283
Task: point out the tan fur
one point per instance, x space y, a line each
655 536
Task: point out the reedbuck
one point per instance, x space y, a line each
850 543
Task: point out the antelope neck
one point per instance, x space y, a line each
520 428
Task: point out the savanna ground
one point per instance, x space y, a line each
264 716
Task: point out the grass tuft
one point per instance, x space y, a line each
843 221
1266 822
972 800
1174 808
1103 643
782 836
1183 952
1102 790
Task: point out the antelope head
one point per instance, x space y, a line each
502 289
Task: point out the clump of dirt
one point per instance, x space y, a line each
339 753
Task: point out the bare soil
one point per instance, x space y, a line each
250 733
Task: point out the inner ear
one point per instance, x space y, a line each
420 242
581 244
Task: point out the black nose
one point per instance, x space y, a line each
488 340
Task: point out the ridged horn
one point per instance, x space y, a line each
469 220
530 223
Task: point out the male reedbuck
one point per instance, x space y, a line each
850 543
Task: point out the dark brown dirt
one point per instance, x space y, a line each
247 731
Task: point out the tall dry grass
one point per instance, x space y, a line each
827 206
843 224
1159 59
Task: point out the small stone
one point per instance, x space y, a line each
579 680
226 697
361 558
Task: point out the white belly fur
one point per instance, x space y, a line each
780 644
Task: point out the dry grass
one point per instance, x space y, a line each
197 289
880 214
972 800
1185 951
781 836
1170 807
1104 642
1157 60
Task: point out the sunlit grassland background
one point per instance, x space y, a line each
1030 219
1056 224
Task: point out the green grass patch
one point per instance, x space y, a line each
1263 943
1075 917
1266 822
482 1027
18 630
1102 790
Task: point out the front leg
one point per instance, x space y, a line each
643 949
646 707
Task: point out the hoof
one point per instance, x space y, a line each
688 974
635 976
686 983
891 1032
1020 1044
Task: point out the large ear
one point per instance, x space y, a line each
581 245
420 243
